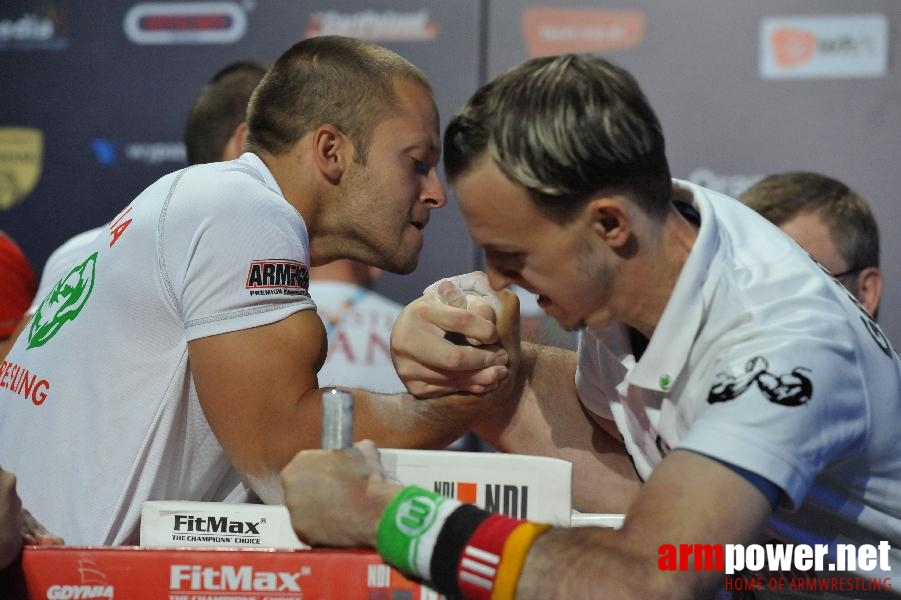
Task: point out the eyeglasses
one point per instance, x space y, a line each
848 272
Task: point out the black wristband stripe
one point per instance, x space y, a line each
449 546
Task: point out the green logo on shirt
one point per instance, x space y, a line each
63 303
665 381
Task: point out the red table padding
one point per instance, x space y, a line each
131 572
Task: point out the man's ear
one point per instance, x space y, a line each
869 288
234 147
610 220
333 152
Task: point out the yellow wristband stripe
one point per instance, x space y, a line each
513 557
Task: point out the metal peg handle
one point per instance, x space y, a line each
337 419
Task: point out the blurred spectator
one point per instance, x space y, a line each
829 220
358 324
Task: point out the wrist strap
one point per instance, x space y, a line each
454 535
513 558
461 549
409 528
481 557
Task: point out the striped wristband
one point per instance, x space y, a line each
481 557
409 528
462 550
513 558
458 529
493 558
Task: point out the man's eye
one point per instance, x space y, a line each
420 167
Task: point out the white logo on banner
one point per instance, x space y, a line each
385 26
108 151
28 27
821 47
34 31
94 585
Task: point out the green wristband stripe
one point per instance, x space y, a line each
409 515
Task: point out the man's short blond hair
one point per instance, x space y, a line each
345 82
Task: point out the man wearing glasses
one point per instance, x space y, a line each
829 220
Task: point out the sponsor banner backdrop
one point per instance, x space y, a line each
826 47
747 89
742 91
96 94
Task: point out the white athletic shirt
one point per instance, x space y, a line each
763 361
98 410
70 252
358 324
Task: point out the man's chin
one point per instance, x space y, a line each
575 327
403 266
571 327
567 324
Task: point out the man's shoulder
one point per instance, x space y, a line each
222 176
225 192
66 255
74 245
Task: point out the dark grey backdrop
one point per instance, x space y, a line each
111 111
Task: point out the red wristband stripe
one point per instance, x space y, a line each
481 556
478 568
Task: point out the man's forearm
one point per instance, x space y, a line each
546 418
403 421
588 563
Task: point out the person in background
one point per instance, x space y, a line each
216 128
358 324
725 386
829 220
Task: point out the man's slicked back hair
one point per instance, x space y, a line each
565 127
